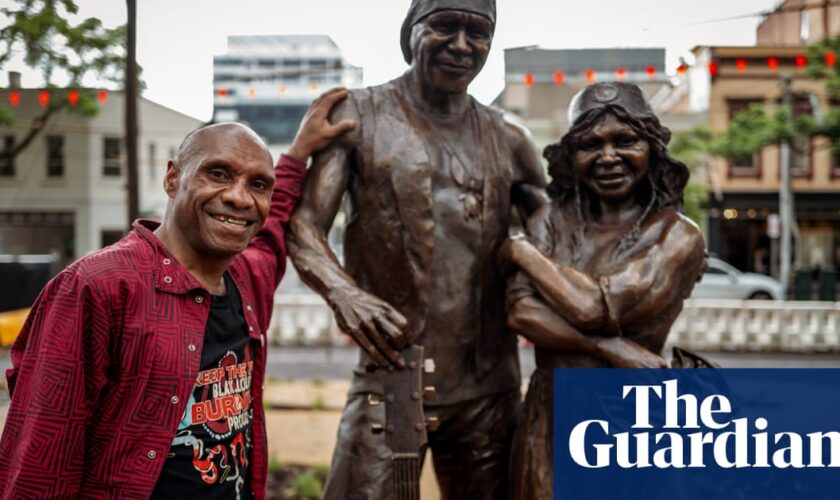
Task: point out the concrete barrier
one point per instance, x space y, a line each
705 324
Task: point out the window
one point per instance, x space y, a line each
715 270
55 156
112 160
7 161
152 160
227 62
804 27
748 166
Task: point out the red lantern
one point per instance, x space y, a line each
102 96
221 92
73 97
44 98
621 74
741 64
773 63
651 71
682 69
713 69
558 78
830 58
590 75
529 79
801 61
14 98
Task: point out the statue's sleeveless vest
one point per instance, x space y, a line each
392 181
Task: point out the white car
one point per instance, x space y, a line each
722 281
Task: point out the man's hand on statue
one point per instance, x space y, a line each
623 353
316 132
373 323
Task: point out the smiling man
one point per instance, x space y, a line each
139 371
432 176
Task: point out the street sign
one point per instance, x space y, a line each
773 226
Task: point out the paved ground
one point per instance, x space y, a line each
307 387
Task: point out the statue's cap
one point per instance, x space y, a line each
421 8
627 96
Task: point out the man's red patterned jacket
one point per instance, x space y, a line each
107 359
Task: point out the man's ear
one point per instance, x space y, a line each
172 179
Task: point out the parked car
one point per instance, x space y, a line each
722 281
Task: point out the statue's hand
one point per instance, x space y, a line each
373 323
315 131
623 353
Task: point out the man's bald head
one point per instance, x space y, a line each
191 146
219 186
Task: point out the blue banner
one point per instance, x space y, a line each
752 434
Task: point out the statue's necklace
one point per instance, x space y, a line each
471 195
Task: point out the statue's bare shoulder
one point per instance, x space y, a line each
348 108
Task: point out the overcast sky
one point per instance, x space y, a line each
177 39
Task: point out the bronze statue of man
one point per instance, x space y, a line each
431 176
606 265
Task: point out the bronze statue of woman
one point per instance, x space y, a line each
604 269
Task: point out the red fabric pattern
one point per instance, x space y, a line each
108 357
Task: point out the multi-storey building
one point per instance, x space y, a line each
799 22
65 193
267 82
745 192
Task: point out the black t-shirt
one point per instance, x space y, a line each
211 451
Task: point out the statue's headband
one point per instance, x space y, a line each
421 8
627 96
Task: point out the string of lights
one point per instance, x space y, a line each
741 64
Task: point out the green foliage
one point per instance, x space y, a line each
61 49
274 464
6 116
321 472
318 403
695 196
51 42
817 67
693 147
307 486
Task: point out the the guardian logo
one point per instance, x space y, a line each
696 433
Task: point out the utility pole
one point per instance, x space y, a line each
785 193
131 113
825 7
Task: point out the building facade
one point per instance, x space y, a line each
268 82
799 22
65 194
744 199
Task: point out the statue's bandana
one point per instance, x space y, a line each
421 8
600 95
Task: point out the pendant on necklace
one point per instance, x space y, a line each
472 204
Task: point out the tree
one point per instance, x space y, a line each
61 50
692 148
